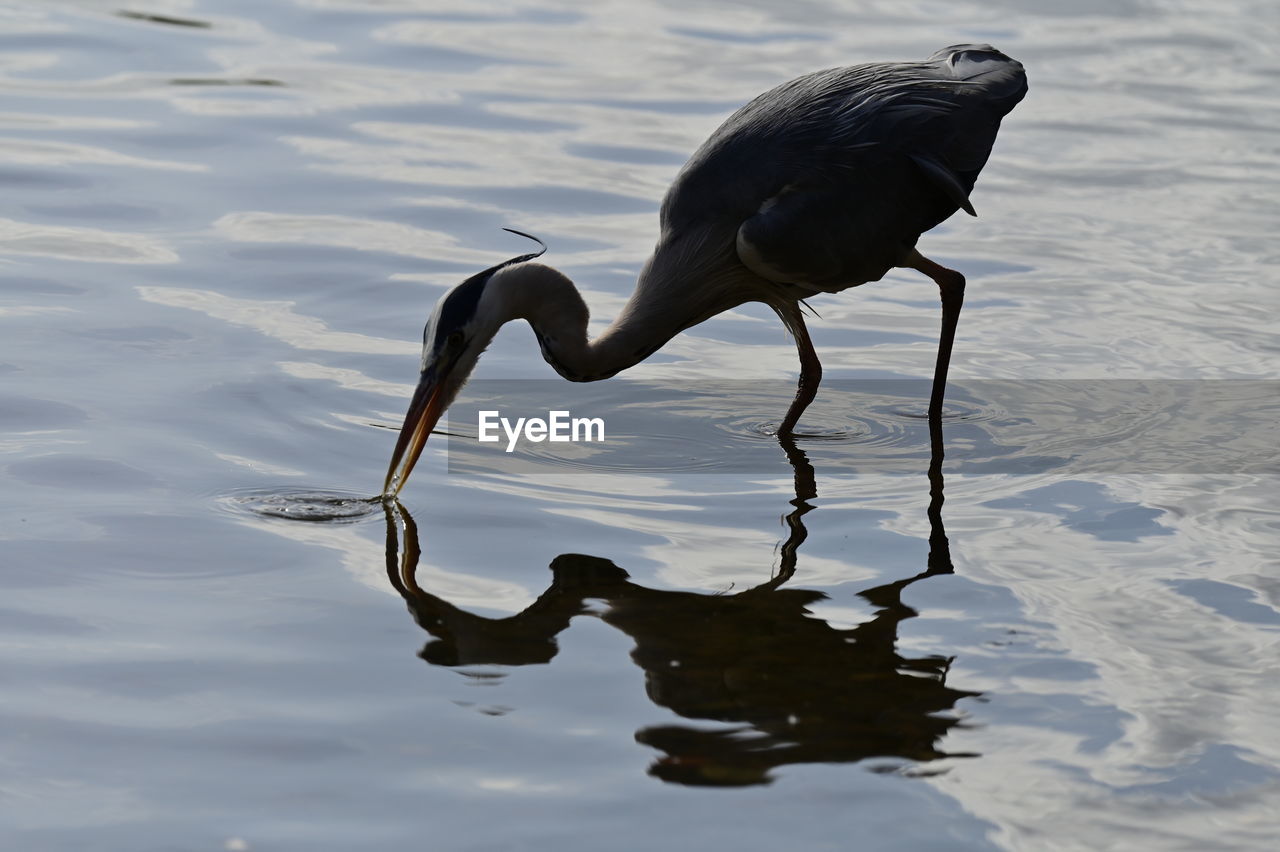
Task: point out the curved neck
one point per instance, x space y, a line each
657 311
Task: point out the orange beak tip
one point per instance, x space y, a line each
424 410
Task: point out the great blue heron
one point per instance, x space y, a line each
821 184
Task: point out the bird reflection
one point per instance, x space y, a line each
793 688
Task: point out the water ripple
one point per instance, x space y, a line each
300 504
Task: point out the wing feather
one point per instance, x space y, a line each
834 176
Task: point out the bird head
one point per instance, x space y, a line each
1004 81
460 327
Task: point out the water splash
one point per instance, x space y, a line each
312 506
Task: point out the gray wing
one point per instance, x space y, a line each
835 175
827 235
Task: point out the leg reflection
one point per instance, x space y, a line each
793 688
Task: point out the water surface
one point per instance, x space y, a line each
225 225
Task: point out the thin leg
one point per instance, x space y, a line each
951 285
810 372
939 547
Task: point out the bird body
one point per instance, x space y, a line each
828 180
823 183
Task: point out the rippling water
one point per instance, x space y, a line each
225 225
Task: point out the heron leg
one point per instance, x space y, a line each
810 372
951 285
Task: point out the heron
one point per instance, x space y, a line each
821 184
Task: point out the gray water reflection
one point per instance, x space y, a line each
214 288
794 688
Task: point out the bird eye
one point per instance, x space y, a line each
454 340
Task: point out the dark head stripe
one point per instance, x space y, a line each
459 304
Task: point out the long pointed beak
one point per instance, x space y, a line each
424 410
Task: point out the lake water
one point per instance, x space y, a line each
224 226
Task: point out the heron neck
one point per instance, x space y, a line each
680 286
552 305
